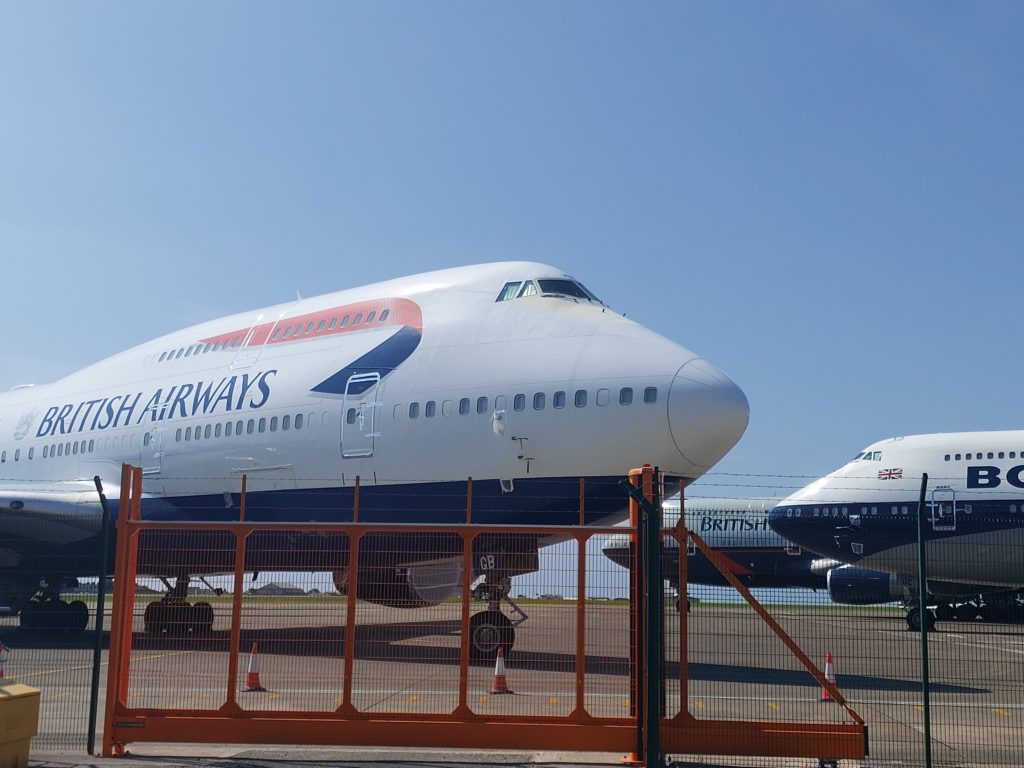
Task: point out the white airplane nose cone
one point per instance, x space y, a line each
707 412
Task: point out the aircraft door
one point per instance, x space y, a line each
360 415
151 454
943 509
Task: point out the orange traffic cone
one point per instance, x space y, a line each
500 684
3 659
830 675
252 676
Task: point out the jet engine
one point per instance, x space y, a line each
850 585
412 587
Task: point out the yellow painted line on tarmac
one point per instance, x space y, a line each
414 697
1001 712
102 664
773 705
553 700
919 708
698 704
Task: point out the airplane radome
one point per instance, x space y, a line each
865 513
513 374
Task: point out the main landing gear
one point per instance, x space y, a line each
491 629
174 616
46 610
914 621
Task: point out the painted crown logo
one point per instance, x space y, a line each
24 424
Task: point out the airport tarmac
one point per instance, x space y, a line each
407 661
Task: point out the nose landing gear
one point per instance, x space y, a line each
491 629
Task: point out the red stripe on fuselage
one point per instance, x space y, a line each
400 312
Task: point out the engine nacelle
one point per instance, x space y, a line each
412 587
850 585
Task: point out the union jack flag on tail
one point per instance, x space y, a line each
890 474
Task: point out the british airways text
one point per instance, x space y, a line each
231 393
733 524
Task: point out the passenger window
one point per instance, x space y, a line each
447 408
286 423
958 457
603 397
430 409
350 416
626 396
309 328
357 319
17 453
334 322
262 426
991 455
227 428
508 292
277 334
481 405
370 316
321 325
538 401
558 401
162 356
188 434
298 421
1002 455
464 406
287 331
651 395
384 315
188 351
207 431
177 436
1013 454
344 321
250 426
217 428
180 353
947 457
414 410
519 403
580 399
46 451
145 439
31 452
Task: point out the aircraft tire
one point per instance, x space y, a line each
966 612
487 631
202 618
914 620
944 612
77 616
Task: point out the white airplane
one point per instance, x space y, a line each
513 374
865 514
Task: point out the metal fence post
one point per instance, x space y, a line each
922 606
101 594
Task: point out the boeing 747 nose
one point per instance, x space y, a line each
707 413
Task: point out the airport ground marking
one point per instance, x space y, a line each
1001 712
102 664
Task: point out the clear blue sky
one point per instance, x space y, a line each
825 199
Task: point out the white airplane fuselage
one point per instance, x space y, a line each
411 385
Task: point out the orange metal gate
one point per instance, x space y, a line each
355 669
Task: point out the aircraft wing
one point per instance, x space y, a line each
55 513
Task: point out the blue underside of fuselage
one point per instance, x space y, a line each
539 501
874 534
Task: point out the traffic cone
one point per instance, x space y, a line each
252 676
500 684
830 675
3 659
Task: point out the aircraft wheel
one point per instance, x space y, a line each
944 612
77 616
153 619
914 620
202 618
488 630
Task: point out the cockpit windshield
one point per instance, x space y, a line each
562 287
868 456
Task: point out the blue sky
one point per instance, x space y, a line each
824 199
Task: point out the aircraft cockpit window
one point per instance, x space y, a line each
876 456
509 291
529 289
566 288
